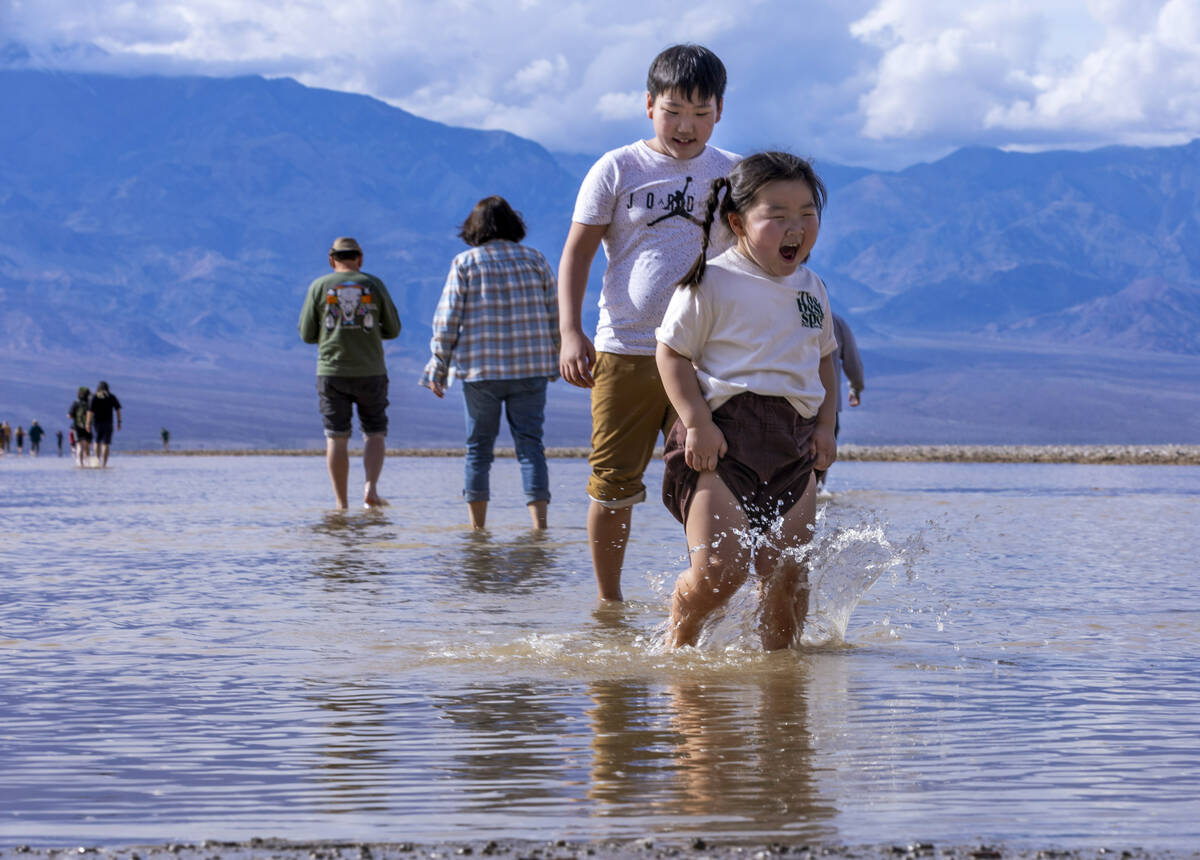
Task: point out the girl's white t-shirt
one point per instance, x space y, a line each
653 205
745 330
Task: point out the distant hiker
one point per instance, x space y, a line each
847 362
640 202
77 412
349 314
59 434
497 322
100 419
35 437
166 437
20 440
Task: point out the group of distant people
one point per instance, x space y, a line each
8 437
712 332
94 418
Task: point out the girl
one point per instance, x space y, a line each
498 322
744 351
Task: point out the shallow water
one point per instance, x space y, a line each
196 648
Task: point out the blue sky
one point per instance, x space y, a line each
882 83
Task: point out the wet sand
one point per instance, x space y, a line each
1172 455
278 849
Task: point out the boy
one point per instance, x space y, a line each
642 202
349 314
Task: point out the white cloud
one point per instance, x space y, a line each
621 105
1002 73
884 82
542 75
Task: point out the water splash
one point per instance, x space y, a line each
844 563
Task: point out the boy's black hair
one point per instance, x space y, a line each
690 70
741 187
492 218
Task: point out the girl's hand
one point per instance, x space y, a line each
703 446
436 388
824 447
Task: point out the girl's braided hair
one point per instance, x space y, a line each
741 187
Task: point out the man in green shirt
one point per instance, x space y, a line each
349 314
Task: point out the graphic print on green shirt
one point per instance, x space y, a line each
348 315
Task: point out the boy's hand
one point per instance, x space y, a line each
436 387
824 447
703 446
576 358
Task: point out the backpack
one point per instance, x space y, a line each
79 413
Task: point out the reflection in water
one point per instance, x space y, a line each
354 534
631 747
740 753
488 563
513 757
357 747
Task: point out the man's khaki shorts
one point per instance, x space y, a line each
630 410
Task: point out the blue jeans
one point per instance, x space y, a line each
524 402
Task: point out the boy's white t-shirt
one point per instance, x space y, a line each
653 205
745 330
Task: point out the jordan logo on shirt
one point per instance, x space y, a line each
678 204
812 315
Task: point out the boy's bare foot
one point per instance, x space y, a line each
374 501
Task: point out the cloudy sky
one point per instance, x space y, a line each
882 83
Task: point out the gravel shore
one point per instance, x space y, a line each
1172 455
1175 455
276 849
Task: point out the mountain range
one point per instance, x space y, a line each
161 231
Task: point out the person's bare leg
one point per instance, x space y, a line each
478 513
102 453
537 514
608 533
785 574
720 560
374 450
337 459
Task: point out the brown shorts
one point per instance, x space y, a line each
767 466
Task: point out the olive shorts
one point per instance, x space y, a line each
630 410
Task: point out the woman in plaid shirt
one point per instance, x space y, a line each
497 322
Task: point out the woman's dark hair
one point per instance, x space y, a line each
492 218
741 187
